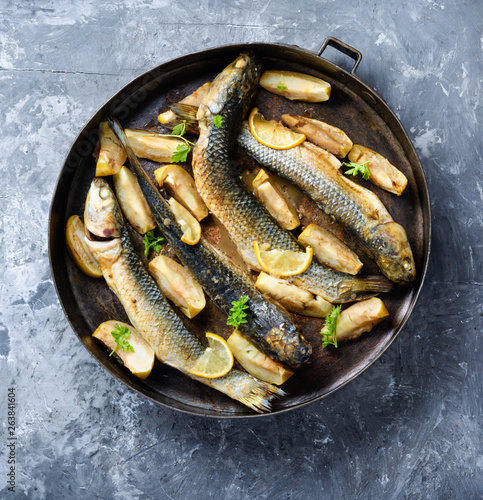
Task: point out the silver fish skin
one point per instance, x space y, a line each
356 208
148 310
269 326
245 219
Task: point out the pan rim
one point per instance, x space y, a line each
179 62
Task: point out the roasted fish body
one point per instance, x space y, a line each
356 208
269 326
147 308
245 219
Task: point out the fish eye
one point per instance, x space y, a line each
407 265
104 193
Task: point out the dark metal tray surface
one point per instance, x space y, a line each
353 107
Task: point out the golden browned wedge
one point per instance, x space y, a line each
77 249
182 186
140 361
255 362
190 226
333 139
275 201
329 250
361 317
293 298
295 86
327 159
178 284
152 146
111 156
132 201
383 173
193 99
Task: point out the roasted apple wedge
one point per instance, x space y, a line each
133 204
138 358
383 173
295 86
178 284
182 186
255 362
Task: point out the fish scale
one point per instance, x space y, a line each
223 192
356 208
144 303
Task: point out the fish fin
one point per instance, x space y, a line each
186 113
374 284
260 396
364 288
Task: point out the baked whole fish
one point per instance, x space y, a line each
355 207
224 193
269 326
148 310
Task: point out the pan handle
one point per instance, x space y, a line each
344 48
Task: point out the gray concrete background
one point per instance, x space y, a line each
408 428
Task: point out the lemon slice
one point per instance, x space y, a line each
279 262
217 359
190 226
271 133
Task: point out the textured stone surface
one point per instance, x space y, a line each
409 427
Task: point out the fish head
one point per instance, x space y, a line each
238 82
248 69
103 223
102 214
396 259
296 350
278 334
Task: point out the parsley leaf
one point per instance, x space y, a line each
217 121
179 129
181 153
121 334
281 86
150 240
358 168
328 331
237 313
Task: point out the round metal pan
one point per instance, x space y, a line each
355 108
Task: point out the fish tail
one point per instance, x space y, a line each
244 388
187 114
362 288
259 397
338 287
374 284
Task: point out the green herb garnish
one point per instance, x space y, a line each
328 331
121 334
237 313
179 129
281 86
150 240
217 121
181 153
183 150
358 168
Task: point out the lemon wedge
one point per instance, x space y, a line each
217 359
190 226
272 133
78 250
278 262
